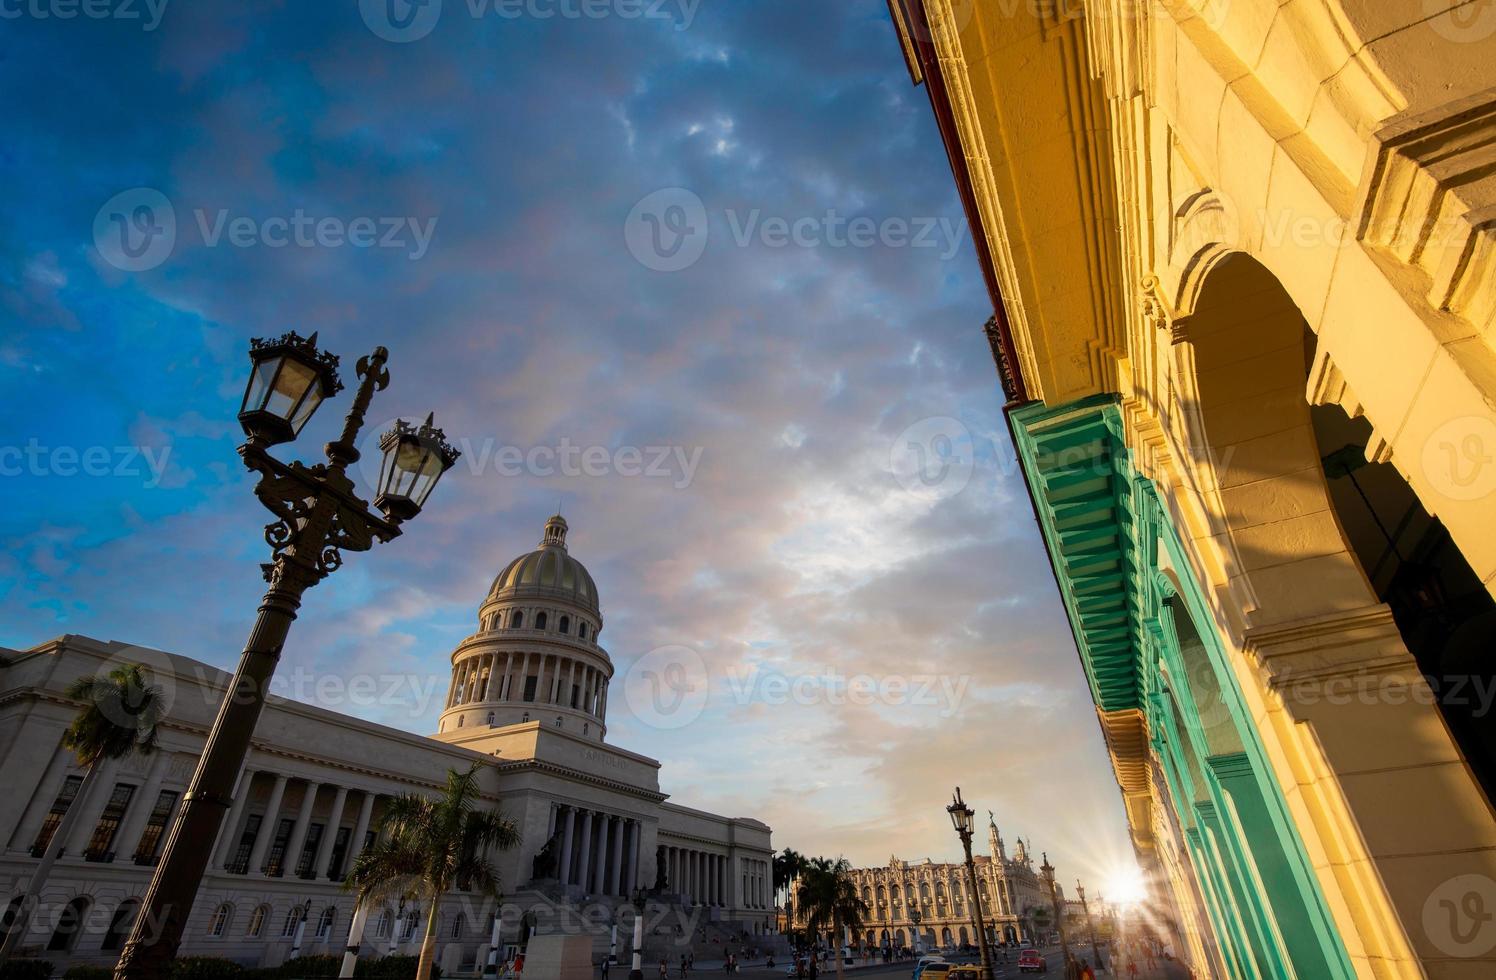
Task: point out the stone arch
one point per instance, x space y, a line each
70 925
1242 374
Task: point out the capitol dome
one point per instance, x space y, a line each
547 572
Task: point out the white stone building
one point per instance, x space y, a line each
528 702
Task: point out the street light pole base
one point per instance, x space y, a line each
636 975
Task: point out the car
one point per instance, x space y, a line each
966 971
931 968
1030 961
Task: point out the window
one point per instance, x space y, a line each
456 931
408 927
490 717
325 921
531 684
540 621
565 624
257 921
99 844
306 865
274 864
220 921
582 630
385 925
240 864
293 919
517 620
339 853
155 826
65 797
119 925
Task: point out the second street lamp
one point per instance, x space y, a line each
318 517
961 819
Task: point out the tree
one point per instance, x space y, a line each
119 717
828 900
788 864
430 846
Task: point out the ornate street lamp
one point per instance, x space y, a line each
318 516
1046 871
961 819
1080 893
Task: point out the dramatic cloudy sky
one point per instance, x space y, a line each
839 500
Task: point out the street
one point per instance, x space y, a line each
1004 967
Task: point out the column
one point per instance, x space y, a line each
42 800
299 829
523 680
615 859
91 807
360 830
540 683
722 879
228 837
584 859
141 806
267 825
633 879
571 682
495 680
712 880
602 698
566 838
509 665
600 858
330 833
556 696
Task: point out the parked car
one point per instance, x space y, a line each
1030 961
965 971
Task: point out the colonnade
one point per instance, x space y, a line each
307 850
599 851
699 877
560 679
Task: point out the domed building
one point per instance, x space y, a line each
536 652
528 704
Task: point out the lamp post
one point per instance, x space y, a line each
1046 871
919 939
961 819
1080 893
317 517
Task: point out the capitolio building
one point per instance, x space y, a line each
528 702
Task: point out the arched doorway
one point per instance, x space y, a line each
69 926
119 925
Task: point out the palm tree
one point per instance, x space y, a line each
828 899
788 864
120 713
430 847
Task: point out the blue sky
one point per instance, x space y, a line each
715 244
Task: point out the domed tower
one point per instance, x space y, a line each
535 657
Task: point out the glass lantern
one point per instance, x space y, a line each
290 378
414 459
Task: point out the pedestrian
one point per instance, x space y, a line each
664 970
685 966
1132 968
605 968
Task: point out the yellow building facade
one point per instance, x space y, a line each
1242 258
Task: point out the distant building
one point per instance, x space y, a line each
528 703
939 896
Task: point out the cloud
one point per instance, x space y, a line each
792 370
